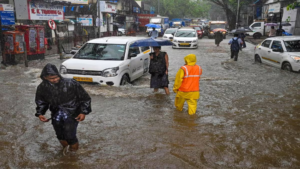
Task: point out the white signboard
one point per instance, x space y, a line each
86 21
275 8
43 11
106 7
6 7
76 1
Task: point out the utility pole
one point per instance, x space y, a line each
237 15
98 9
158 7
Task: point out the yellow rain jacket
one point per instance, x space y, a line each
189 97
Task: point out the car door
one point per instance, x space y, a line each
256 27
262 51
275 57
135 62
146 58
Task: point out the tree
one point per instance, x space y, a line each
230 9
180 8
293 5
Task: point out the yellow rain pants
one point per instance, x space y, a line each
192 104
190 97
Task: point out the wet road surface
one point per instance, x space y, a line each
247 117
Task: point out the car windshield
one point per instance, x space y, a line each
212 27
185 33
197 28
170 31
292 46
96 51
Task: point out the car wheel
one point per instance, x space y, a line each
257 58
120 33
257 36
124 80
287 66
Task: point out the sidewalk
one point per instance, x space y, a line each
253 41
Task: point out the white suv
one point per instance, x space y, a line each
185 38
108 61
282 52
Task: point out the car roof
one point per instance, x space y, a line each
186 28
285 38
116 40
172 28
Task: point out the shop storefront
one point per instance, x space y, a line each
107 12
274 12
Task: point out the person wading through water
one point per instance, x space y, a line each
218 38
68 102
187 84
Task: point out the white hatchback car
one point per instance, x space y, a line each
282 52
168 35
185 38
108 61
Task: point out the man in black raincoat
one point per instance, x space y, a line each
68 103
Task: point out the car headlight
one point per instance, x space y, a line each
194 41
223 32
110 72
296 58
211 32
63 69
165 37
175 40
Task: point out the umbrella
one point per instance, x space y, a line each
151 42
152 25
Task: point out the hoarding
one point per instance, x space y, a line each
86 21
76 1
7 14
43 11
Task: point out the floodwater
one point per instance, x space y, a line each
247 117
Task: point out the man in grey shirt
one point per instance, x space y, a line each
154 33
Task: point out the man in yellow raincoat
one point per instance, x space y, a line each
187 84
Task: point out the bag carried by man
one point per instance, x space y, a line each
235 46
158 64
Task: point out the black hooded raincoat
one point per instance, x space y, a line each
67 95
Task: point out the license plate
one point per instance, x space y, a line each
184 44
171 40
83 79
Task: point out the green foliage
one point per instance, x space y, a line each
292 5
180 8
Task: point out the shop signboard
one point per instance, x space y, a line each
76 1
274 8
85 21
43 11
7 14
108 8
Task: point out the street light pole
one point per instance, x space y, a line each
158 7
237 15
98 9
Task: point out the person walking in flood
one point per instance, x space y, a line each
154 33
159 64
235 46
187 84
218 38
68 102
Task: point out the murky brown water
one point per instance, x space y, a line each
248 117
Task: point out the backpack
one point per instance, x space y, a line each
235 46
158 64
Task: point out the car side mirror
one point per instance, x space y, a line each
132 55
173 34
277 50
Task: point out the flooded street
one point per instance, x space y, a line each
247 117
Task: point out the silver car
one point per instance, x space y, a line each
282 52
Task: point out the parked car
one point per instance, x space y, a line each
168 35
185 38
282 52
108 61
199 31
